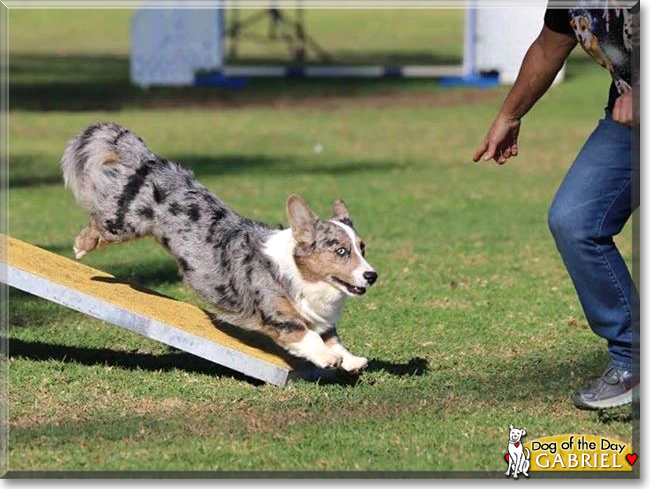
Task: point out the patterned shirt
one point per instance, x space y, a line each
608 35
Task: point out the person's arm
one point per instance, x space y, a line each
540 66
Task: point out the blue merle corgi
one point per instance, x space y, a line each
288 284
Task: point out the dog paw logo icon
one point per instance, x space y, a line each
518 457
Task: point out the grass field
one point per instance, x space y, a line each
474 323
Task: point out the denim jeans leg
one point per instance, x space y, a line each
591 206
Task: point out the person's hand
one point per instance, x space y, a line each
500 142
622 112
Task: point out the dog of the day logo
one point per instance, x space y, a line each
518 456
570 452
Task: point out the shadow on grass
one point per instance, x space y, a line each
510 383
366 58
534 377
260 164
414 367
178 360
306 371
38 351
28 171
102 82
625 414
32 170
22 181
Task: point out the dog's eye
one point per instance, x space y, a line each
362 247
341 251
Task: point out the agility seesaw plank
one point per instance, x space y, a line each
98 294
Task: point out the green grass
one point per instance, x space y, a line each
473 324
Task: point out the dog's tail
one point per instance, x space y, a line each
527 457
99 147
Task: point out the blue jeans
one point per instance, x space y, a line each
591 206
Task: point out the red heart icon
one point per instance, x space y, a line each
631 458
517 444
507 457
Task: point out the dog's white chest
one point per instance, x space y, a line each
321 304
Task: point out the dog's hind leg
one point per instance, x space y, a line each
526 464
87 240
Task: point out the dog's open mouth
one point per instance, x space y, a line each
352 289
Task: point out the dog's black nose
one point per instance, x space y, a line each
371 277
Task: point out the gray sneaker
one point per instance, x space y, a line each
612 389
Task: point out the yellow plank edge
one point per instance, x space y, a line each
107 288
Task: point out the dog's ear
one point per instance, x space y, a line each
523 432
510 426
301 219
341 213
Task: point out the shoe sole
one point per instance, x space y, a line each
612 402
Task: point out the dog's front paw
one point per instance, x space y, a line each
327 359
354 364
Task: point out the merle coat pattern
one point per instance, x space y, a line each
257 277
